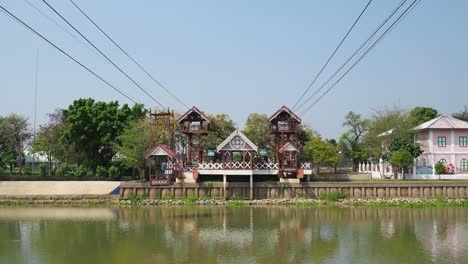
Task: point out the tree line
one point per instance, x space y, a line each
93 138
387 134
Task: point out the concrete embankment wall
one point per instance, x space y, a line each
57 188
310 189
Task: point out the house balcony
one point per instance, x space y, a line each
194 129
284 127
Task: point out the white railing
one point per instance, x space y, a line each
306 166
382 169
265 166
244 166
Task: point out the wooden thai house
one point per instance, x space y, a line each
284 125
163 168
237 143
195 124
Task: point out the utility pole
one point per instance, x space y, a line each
35 112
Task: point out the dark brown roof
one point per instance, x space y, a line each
285 109
164 148
193 109
285 146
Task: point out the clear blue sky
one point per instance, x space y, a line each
240 57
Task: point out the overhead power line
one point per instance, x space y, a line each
405 12
333 54
21 22
128 55
104 55
58 25
385 21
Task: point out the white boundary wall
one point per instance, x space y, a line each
436 177
57 187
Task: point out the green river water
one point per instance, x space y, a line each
233 235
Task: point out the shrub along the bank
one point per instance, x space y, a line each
43 170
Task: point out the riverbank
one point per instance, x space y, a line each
110 201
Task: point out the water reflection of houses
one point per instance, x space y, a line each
443 236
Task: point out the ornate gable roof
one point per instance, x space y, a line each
288 147
192 110
161 150
443 122
237 141
287 110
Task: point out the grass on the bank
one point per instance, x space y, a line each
414 204
13 203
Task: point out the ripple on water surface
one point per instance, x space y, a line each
233 235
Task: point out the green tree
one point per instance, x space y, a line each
49 140
133 145
404 142
7 147
462 115
439 168
94 126
419 115
15 129
401 159
380 122
221 127
351 142
257 129
321 153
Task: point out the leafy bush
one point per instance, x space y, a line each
80 171
331 196
113 172
439 168
27 171
134 198
2 172
43 170
101 171
53 172
66 170
191 199
89 173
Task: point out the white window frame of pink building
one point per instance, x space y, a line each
442 141
463 141
464 165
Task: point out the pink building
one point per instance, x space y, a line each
444 139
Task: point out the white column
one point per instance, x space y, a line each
359 167
452 149
381 168
224 185
431 151
251 186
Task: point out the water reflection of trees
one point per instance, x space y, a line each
223 234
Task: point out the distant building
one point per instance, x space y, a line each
443 139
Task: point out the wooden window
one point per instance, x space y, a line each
463 141
464 165
442 141
283 126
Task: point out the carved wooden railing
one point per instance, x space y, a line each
242 166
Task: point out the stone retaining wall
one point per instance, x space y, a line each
306 190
